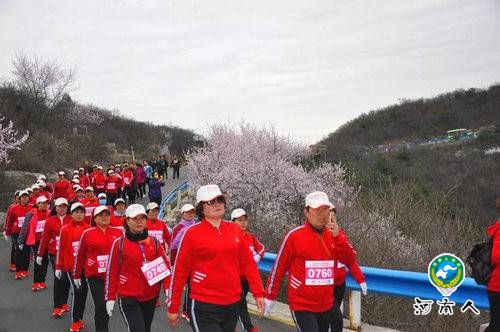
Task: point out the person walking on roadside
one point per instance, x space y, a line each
211 256
239 216
118 215
176 166
30 237
61 186
90 202
113 184
137 268
12 265
50 244
141 181
91 262
155 185
308 255
493 286
68 249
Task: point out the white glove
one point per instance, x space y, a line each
21 246
58 274
364 288
39 260
269 306
6 237
78 283
109 307
256 258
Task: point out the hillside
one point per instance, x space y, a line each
70 132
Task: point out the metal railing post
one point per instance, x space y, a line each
355 310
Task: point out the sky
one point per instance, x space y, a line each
304 67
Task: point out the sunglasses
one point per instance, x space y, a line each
220 200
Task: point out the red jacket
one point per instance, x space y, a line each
308 256
16 218
61 188
212 259
253 244
113 184
341 270
99 181
69 242
50 236
84 181
125 277
159 230
494 282
128 176
117 221
34 227
7 215
89 205
93 254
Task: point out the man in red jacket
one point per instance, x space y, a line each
50 244
61 186
12 266
99 181
89 202
308 254
493 286
113 185
128 177
156 227
84 178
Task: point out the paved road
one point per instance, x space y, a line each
22 310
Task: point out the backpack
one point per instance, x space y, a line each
479 261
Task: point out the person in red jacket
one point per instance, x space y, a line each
92 257
90 202
69 242
308 254
13 225
49 244
340 273
136 267
128 178
31 235
113 185
84 178
493 286
12 265
61 186
156 227
99 181
211 255
118 215
257 249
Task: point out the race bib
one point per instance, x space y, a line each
126 180
88 211
40 225
102 263
157 234
57 242
75 245
20 222
319 273
111 186
155 271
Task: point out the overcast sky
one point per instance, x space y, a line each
306 67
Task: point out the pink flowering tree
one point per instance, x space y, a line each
260 171
85 114
9 140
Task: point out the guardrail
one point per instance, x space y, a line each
173 197
398 283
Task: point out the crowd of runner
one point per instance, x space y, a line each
96 238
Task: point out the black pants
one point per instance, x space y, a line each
101 317
142 189
494 299
61 286
131 194
157 200
23 258
110 199
307 321
138 315
175 173
13 250
208 317
244 317
39 271
338 319
79 298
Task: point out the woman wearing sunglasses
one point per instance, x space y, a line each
210 256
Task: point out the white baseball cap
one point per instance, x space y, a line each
134 210
101 195
77 188
207 193
41 199
119 200
317 199
81 169
99 167
99 209
76 205
237 213
111 171
75 180
75 172
152 206
35 186
41 183
89 188
76 176
42 177
23 192
61 173
186 208
61 201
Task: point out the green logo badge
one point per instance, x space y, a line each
446 272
